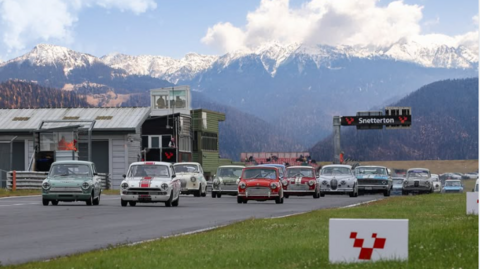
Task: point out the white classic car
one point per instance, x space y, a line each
418 180
437 185
150 182
191 178
338 179
226 180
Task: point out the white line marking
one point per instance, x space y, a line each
180 234
10 197
362 203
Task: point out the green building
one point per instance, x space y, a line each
205 140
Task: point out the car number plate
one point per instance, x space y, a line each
144 196
368 188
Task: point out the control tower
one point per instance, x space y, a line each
170 100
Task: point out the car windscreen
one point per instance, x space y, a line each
397 181
333 171
63 170
370 171
185 168
453 184
234 172
418 173
268 173
148 171
300 172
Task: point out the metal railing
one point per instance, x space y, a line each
28 180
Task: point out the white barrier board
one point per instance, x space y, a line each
472 203
357 240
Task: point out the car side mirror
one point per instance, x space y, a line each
124 176
95 174
174 176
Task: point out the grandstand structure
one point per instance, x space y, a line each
292 158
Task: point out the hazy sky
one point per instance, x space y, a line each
176 27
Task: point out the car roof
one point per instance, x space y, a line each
371 166
231 166
272 165
452 180
419 169
72 162
337 165
300 166
149 163
261 166
187 163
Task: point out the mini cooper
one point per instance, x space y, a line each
260 184
418 180
70 181
225 181
452 186
301 181
338 179
373 179
191 178
150 182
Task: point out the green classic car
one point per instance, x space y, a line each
70 181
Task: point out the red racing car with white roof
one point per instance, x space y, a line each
301 181
260 183
150 182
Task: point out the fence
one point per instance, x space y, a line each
28 180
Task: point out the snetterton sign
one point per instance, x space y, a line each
376 120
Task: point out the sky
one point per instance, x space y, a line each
174 28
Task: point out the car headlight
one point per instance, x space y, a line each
164 186
85 185
242 185
384 182
324 182
193 179
273 185
427 183
46 185
405 183
342 182
285 182
311 182
216 182
124 185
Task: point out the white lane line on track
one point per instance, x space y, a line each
180 234
25 196
362 203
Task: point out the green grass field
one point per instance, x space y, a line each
441 235
7 193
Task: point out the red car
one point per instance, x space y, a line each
301 181
260 184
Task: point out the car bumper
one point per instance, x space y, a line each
417 189
373 188
259 197
339 190
67 196
145 198
299 192
189 190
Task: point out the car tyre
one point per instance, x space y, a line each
90 200
204 193
176 202
123 203
386 193
286 196
278 200
214 194
168 203
45 202
245 201
322 194
239 200
199 192
96 201
132 203
54 202
219 195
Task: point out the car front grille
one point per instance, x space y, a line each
295 187
258 191
371 181
66 190
334 184
229 187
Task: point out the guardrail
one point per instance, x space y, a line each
28 180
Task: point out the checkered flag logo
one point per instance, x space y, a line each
366 253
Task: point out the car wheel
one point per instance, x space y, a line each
90 200
239 200
199 192
97 200
404 192
386 193
286 196
123 203
214 194
176 202
132 203
219 195
322 194
45 202
169 202
278 200
55 202
245 201
352 194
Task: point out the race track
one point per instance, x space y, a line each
30 231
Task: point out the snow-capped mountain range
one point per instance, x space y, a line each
272 55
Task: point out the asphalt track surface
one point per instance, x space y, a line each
30 231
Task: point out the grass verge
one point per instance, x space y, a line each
441 235
8 193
